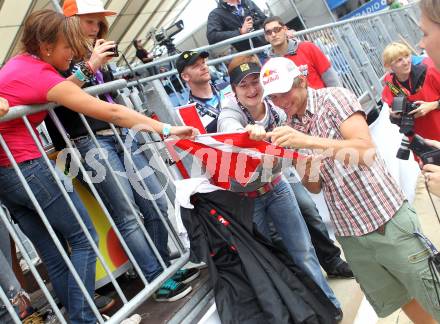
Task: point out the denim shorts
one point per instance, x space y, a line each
392 268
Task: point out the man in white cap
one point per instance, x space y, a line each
374 223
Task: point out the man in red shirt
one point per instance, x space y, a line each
307 56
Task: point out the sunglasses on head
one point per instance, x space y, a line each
276 30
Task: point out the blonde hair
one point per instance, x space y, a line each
46 26
87 45
393 51
431 9
103 25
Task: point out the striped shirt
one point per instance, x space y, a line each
360 198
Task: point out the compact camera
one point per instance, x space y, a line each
115 51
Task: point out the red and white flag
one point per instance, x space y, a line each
228 156
189 116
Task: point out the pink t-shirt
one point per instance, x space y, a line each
24 80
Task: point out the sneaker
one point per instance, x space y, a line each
199 265
50 317
341 271
103 303
171 291
133 319
186 275
339 315
23 303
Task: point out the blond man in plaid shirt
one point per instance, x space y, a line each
374 223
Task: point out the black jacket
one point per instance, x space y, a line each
71 120
223 24
253 281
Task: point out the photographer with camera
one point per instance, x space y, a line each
232 18
412 91
419 84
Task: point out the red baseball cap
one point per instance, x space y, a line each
84 7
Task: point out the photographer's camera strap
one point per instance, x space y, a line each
396 90
433 261
427 243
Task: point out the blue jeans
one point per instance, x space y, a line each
117 206
8 281
329 255
280 206
63 222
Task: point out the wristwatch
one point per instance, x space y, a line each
166 130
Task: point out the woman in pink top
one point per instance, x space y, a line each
32 78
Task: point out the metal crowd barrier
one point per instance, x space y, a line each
354 47
149 287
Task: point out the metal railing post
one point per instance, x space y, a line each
56 5
399 26
382 32
26 257
362 61
415 32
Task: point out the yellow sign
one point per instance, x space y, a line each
109 245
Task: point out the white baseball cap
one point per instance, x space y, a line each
277 75
84 7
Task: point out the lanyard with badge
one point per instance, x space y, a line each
206 108
274 117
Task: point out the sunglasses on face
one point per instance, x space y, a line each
275 30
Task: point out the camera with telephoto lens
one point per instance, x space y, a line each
427 153
165 36
402 108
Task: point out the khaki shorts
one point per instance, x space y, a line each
392 268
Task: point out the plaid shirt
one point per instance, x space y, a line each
360 198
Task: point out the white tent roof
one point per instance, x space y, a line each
135 19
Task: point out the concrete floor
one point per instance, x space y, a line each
350 296
431 228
